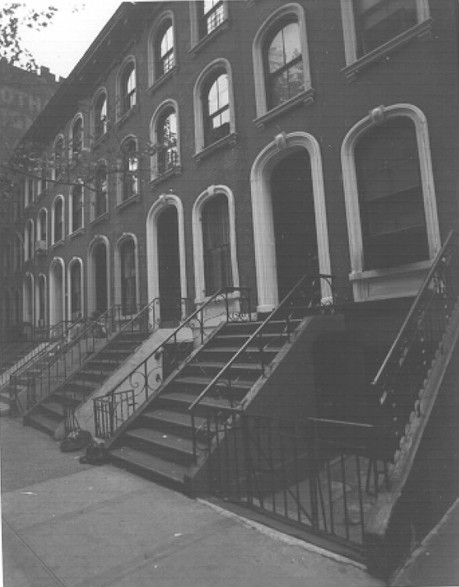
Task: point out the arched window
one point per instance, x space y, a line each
29 240
212 14
130 168
77 207
283 63
216 244
164 49
128 277
58 219
59 158
77 137
17 253
42 230
216 108
101 205
41 300
75 276
166 141
128 91
100 115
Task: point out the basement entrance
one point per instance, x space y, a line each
294 220
169 266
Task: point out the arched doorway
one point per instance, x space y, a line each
128 277
169 264
289 217
56 292
100 279
294 220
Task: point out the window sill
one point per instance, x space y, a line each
421 31
209 37
101 218
389 271
76 232
128 202
122 119
175 171
305 98
228 140
162 80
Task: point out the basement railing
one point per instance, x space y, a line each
401 378
305 296
115 407
315 475
75 347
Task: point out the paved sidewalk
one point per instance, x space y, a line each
69 525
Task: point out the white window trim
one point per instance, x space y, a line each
54 301
117 266
120 112
71 231
358 276
91 269
263 222
37 299
353 63
28 298
29 239
198 248
154 135
258 61
39 226
199 134
163 201
194 23
53 217
75 261
152 41
97 95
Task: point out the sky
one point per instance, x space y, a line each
75 25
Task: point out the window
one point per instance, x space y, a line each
75 290
216 244
77 207
166 141
128 93
128 277
390 195
58 219
17 253
44 177
212 15
41 302
30 190
216 104
165 50
29 240
283 65
391 208
59 158
100 115
130 167
281 62
42 230
101 190
376 27
77 137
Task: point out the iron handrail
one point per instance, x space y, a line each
404 327
256 333
184 324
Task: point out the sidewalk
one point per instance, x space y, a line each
72 525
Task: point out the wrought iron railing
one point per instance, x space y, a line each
111 410
318 475
305 296
73 349
402 376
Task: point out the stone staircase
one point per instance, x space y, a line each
49 415
158 441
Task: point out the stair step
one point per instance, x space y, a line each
204 381
157 468
77 388
53 407
183 400
177 448
218 365
66 399
171 421
44 421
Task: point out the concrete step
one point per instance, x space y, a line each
170 421
43 421
165 446
203 381
181 401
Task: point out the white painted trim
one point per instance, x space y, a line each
212 67
53 218
117 266
263 222
91 277
354 226
161 203
39 225
292 9
56 303
166 104
198 251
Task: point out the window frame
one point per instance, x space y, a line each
196 17
127 167
97 119
288 12
127 98
380 283
42 214
29 239
125 238
355 63
59 167
72 228
77 148
166 107
54 240
98 190
75 261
